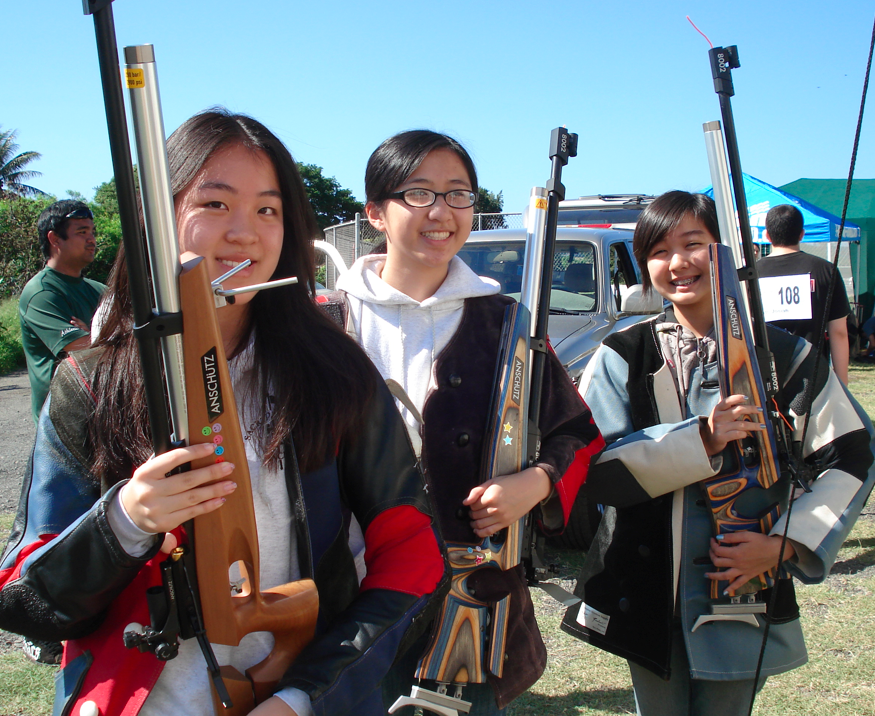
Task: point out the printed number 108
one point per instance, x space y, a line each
789 295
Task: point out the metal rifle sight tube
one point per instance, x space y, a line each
159 216
534 263
726 217
722 189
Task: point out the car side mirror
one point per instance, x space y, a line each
634 300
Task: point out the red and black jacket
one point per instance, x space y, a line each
64 576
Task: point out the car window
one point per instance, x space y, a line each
627 294
622 277
575 275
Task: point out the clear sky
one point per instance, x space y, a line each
333 78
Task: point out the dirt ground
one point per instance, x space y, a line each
16 436
16 440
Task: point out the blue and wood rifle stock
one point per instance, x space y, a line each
749 493
469 638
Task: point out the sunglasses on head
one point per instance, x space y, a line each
80 213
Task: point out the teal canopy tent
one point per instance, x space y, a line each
820 225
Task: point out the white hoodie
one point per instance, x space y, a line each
403 336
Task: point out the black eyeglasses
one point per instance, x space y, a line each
80 213
421 198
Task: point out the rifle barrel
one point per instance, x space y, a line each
123 171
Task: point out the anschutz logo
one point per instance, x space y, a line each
734 318
517 390
212 387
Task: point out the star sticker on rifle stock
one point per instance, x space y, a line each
508 427
508 440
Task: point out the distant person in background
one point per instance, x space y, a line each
57 304
785 229
867 332
55 309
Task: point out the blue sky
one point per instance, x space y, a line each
333 78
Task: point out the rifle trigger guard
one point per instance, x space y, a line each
432 701
160 325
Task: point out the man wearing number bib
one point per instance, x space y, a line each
794 287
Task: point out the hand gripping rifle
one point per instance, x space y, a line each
193 389
470 635
748 494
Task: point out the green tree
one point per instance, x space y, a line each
107 227
20 256
12 168
489 203
331 203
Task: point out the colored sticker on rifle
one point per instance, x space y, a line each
135 79
593 619
217 428
787 298
508 427
541 203
218 439
206 431
508 440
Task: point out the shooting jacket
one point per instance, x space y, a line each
647 565
455 417
64 576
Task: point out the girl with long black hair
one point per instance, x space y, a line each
332 472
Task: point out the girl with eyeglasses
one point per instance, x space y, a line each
433 326
332 472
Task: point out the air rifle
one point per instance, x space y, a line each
470 635
748 494
190 400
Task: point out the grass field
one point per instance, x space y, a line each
838 618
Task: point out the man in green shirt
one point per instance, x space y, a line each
57 304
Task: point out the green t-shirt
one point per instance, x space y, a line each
48 302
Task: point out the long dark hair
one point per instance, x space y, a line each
311 378
662 215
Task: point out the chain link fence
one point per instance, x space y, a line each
358 238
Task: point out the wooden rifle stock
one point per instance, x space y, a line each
228 536
459 647
747 494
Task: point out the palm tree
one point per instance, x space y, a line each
12 168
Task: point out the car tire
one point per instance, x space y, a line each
583 522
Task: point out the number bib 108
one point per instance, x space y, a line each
786 298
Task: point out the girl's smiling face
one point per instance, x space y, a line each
679 266
233 211
422 241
